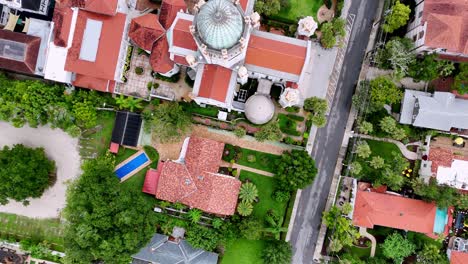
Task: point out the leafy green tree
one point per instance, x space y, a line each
328 39
399 134
343 233
194 215
270 131
240 132
350 259
170 122
85 114
377 162
268 7
296 170
397 18
121 102
355 168
425 69
363 150
462 202
277 252
396 247
318 108
339 27
245 208
133 103
24 172
251 228
446 68
105 223
461 79
202 237
384 91
274 224
281 196
431 254
248 192
443 195
388 124
391 178
217 223
396 55
366 127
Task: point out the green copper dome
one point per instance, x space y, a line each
219 24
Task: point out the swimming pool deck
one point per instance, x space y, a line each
135 171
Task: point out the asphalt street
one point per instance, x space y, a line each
328 140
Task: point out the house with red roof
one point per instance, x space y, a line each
441 27
390 210
194 180
457 250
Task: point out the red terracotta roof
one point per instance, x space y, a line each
168 12
93 83
442 157
244 3
181 36
457 257
62 23
145 30
276 55
196 183
159 58
105 7
215 82
447 25
114 148
152 178
393 211
28 63
180 60
108 50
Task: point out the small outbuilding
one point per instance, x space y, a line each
259 109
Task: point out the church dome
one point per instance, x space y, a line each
219 24
259 109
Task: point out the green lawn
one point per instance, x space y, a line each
124 153
362 253
382 149
16 227
98 139
288 125
298 8
258 160
265 186
136 183
243 251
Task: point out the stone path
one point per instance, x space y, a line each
408 154
363 232
261 172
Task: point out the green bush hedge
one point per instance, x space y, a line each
173 79
153 155
296 117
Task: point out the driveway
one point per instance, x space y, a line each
61 148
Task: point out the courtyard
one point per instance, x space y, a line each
59 147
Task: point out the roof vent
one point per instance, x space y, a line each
188 181
200 177
401 213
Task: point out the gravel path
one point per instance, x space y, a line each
59 147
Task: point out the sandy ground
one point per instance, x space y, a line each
59 147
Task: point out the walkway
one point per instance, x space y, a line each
363 232
261 172
408 154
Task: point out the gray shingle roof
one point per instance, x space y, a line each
440 111
161 250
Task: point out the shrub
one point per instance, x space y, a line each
281 196
289 140
173 79
296 117
139 70
292 109
240 132
251 158
149 85
152 153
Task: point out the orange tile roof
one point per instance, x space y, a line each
442 157
447 25
215 82
393 211
196 183
105 7
276 55
62 23
108 50
168 11
457 257
182 37
180 60
94 83
244 3
145 30
159 58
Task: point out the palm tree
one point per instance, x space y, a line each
194 215
275 225
132 103
244 208
248 192
120 101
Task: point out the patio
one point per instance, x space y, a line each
173 91
137 84
447 143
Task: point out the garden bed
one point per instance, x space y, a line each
288 124
251 158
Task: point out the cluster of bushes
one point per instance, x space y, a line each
288 124
288 27
153 155
37 103
292 109
40 251
331 31
194 108
128 60
173 79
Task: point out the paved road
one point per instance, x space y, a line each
328 140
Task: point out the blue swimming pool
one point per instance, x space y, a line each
131 165
440 220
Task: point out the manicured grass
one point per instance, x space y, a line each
362 253
124 153
258 160
299 8
99 139
265 186
288 124
136 183
382 149
15 227
243 251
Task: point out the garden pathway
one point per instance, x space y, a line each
261 172
363 232
408 154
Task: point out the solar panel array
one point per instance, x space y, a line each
127 129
